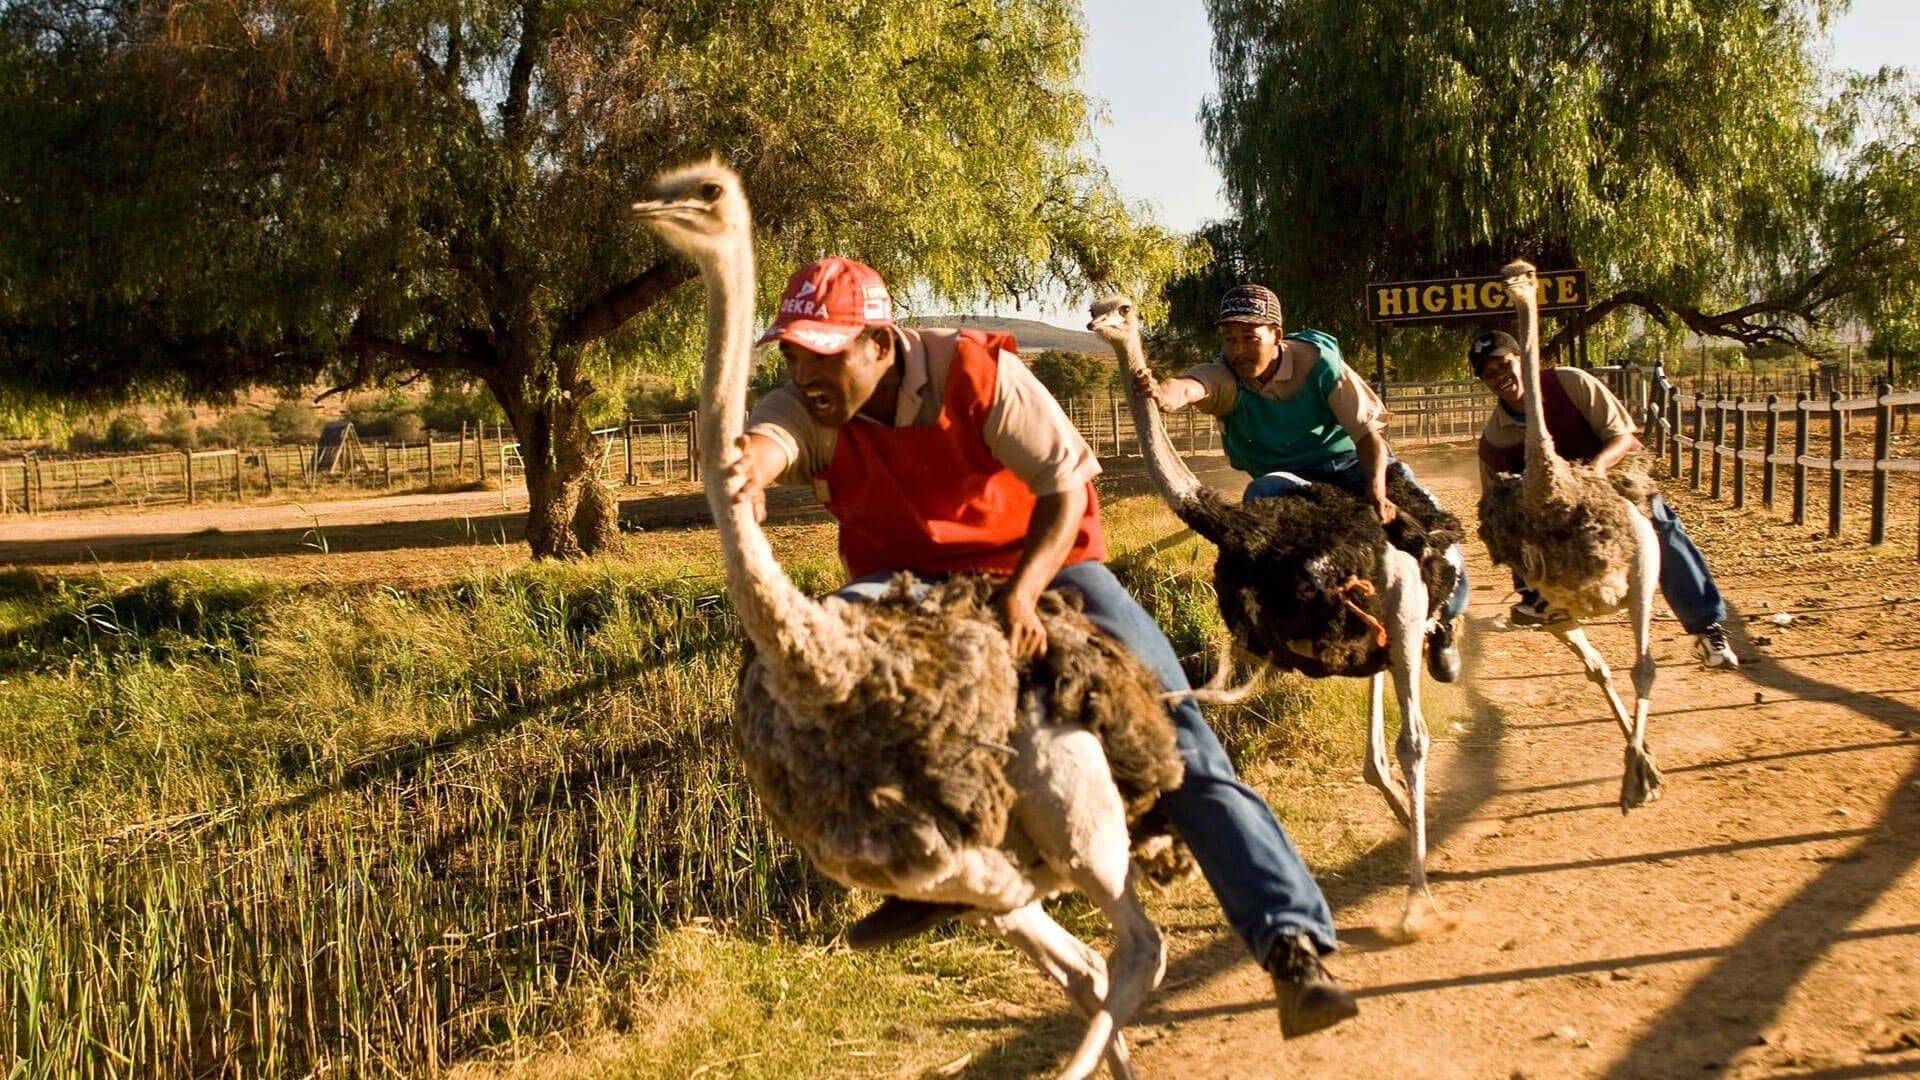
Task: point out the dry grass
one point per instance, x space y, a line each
253 825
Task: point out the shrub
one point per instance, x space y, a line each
294 422
244 428
393 417
126 432
450 403
177 427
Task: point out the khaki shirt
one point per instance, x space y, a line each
1025 430
1604 414
1354 404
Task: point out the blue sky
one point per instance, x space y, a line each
1149 61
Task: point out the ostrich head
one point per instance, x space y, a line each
699 210
1520 277
1114 318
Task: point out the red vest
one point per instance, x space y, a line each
933 499
1573 437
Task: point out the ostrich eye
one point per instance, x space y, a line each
710 191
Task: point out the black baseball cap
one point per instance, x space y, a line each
1489 345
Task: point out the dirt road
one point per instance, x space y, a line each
1762 919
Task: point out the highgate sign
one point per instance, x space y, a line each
1413 303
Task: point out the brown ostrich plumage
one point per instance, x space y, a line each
897 743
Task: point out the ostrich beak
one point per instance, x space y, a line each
653 208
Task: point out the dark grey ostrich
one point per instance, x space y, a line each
1584 542
896 743
1312 582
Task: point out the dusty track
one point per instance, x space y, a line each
1763 919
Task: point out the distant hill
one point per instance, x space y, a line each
1033 336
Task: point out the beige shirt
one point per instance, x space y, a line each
1603 412
1354 404
1025 430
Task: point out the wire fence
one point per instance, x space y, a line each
36 483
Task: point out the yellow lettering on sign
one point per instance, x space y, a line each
1463 294
1433 298
1569 286
1388 301
1492 296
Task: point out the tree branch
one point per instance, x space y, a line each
612 310
533 40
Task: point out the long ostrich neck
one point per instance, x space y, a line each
1176 482
788 628
1543 461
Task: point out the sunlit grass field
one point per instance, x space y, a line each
250 826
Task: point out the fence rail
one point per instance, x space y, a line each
1708 439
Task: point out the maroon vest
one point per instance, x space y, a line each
1573 438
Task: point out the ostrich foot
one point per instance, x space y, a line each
1642 781
1423 918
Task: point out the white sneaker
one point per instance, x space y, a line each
1712 648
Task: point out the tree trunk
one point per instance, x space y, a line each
556 447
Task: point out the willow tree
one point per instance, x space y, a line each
1694 155
198 195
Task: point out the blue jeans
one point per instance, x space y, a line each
1259 878
1684 578
1344 471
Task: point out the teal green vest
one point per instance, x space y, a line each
1264 435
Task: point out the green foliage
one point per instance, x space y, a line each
262 193
126 431
294 421
452 401
177 427
243 427
1070 376
393 416
1688 155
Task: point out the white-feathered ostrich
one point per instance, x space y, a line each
1311 582
895 743
1584 542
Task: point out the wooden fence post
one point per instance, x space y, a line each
480 448
1739 448
266 468
1767 472
187 455
626 435
1882 444
1673 431
1719 440
693 444
1699 436
1800 417
429 459
1836 446
386 465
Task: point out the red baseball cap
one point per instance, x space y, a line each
828 302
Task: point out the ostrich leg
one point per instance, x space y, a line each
1641 782
1068 961
1072 814
1405 599
1377 771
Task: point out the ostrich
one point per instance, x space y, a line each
1583 541
1311 582
894 742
